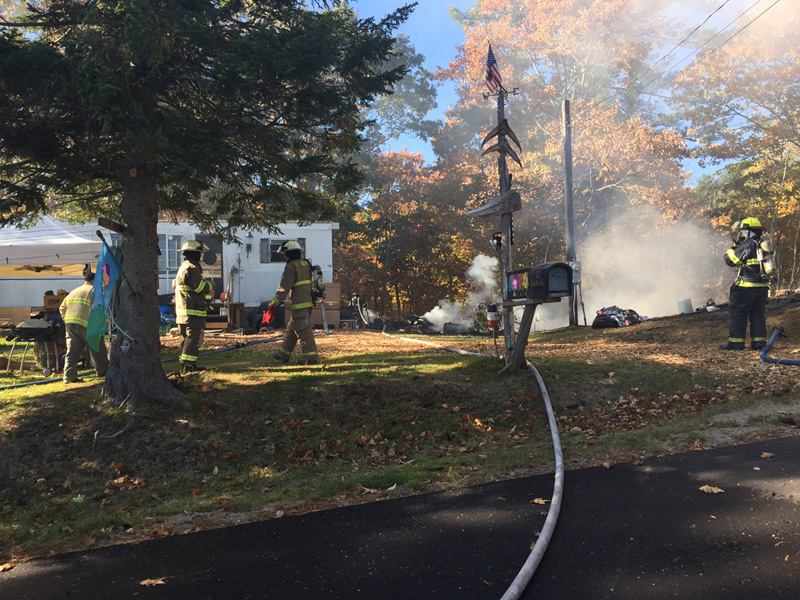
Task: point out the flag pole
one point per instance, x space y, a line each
505 229
121 272
494 82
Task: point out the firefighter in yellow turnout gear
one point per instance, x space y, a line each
192 297
75 314
748 297
296 283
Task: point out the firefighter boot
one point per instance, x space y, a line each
282 358
758 345
192 368
732 346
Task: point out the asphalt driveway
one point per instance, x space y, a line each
632 532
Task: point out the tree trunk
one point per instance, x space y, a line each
135 373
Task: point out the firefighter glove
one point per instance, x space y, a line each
269 315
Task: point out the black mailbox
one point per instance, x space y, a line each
550 280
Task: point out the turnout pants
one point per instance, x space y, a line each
299 328
191 339
76 346
748 304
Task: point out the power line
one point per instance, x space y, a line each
642 88
675 47
737 32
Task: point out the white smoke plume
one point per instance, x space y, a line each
653 270
483 273
642 264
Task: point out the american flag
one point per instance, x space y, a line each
493 79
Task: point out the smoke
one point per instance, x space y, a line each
643 264
638 262
652 266
483 273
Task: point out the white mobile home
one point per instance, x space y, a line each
51 255
250 270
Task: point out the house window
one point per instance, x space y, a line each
169 261
269 249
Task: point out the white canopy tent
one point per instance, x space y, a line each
51 248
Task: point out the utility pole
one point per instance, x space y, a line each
570 215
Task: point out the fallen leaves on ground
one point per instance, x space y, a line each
152 582
710 489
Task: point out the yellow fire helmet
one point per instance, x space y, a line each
290 245
751 223
192 246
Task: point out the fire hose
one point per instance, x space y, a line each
528 569
778 361
360 311
166 360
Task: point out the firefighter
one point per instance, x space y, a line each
748 296
75 314
297 285
192 297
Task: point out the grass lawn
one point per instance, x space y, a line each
381 417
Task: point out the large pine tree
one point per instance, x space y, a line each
244 110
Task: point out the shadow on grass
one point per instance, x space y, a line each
258 432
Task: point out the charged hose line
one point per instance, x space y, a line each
778 361
525 574
431 344
528 569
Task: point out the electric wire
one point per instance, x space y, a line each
528 569
631 91
713 50
675 47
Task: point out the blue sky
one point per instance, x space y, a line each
435 36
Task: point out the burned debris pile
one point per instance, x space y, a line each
614 316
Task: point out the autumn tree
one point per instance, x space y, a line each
767 187
245 111
405 251
739 99
591 54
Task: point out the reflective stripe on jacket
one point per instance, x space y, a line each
75 307
745 258
296 284
191 292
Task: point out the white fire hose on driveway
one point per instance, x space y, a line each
525 574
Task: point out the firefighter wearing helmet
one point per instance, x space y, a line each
749 292
75 314
192 297
296 284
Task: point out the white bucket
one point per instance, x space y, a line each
685 306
